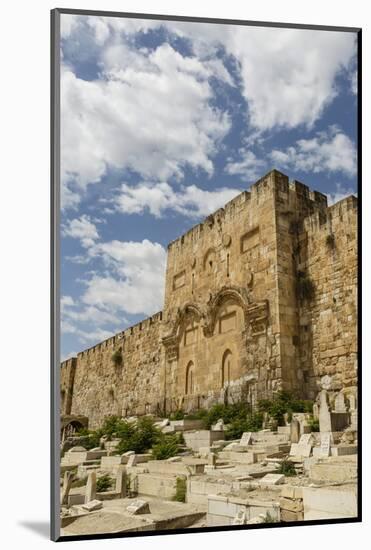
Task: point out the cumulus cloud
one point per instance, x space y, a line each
331 151
190 201
288 75
124 120
135 280
249 167
83 229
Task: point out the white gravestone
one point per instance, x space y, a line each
246 439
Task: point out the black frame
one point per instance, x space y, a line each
55 297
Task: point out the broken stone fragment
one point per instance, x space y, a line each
272 479
138 507
92 505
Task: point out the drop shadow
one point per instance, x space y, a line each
41 528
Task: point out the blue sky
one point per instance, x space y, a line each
163 123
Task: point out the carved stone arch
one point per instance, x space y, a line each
172 339
233 294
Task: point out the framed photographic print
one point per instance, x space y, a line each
205 304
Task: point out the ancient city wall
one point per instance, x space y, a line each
236 323
103 387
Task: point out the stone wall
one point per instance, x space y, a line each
102 387
235 324
328 342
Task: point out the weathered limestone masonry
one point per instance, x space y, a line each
259 297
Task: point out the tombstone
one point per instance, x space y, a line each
325 444
211 460
304 447
324 413
246 439
92 505
306 439
340 403
294 431
240 518
121 479
219 426
272 479
352 402
163 423
315 411
132 461
91 487
138 507
67 483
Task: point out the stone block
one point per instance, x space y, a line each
330 502
291 492
291 505
272 479
138 507
92 505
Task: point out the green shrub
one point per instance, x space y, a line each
138 437
91 438
165 448
314 424
79 482
200 414
286 468
284 402
180 489
177 415
251 423
228 413
104 483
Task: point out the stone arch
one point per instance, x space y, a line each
189 378
183 314
235 295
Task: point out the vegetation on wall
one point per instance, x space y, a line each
305 288
117 358
330 241
180 489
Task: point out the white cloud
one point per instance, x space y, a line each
288 75
135 283
250 167
354 82
83 229
190 201
67 301
151 115
340 194
331 151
